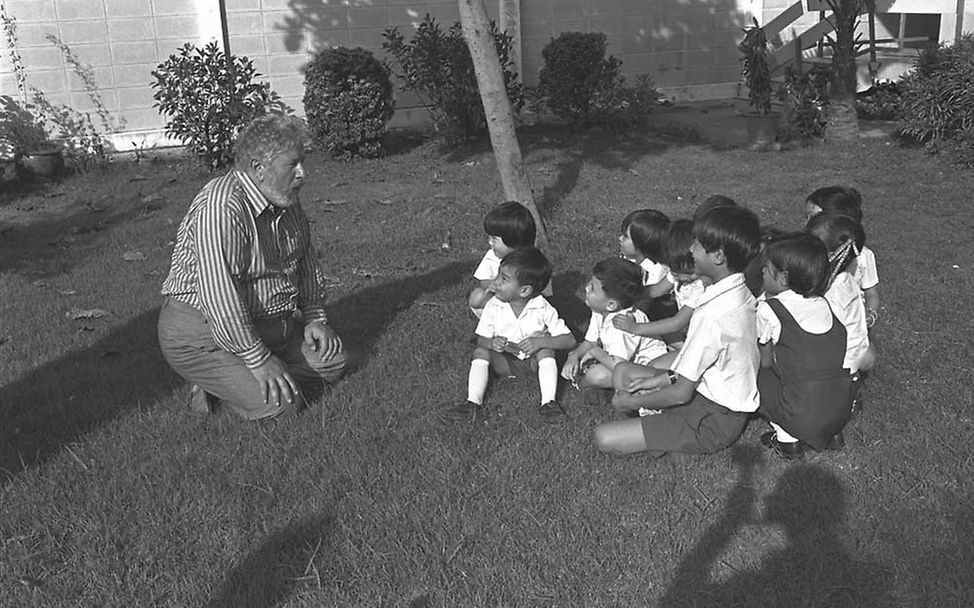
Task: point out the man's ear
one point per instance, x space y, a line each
612 305
257 168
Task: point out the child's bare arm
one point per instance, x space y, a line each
767 353
658 289
677 323
872 304
533 344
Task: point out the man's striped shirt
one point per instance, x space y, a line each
239 259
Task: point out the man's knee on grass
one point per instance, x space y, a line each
597 376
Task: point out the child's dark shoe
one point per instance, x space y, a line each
468 411
552 411
836 443
788 451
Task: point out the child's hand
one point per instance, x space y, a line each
626 322
498 344
648 383
532 344
570 369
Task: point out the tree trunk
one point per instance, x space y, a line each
497 107
843 124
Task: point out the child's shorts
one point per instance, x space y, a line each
506 365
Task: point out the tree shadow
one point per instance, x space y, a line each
60 401
814 569
284 561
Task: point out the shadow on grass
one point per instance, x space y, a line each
808 503
285 561
60 401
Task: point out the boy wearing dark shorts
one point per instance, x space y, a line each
700 405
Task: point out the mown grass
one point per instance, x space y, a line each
113 495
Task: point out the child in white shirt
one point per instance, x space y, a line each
705 398
844 238
845 200
610 293
508 226
641 241
517 325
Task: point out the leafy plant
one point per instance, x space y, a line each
756 71
578 83
938 99
30 124
348 101
209 97
884 101
437 67
806 99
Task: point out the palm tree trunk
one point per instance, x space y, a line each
843 124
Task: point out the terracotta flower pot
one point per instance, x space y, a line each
45 162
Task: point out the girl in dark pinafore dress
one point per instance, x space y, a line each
805 391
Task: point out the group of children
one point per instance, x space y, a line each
699 324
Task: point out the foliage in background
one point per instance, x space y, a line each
34 121
208 97
938 100
884 101
578 83
437 67
755 72
348 101
806 97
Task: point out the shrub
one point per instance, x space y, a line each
209 97
580 84
884 101
806 98
348 101
938 98
437 67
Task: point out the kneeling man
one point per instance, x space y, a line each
244 316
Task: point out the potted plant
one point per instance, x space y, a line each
761 122
24 142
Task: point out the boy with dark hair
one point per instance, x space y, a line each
517 326
704 399
509 226
615 286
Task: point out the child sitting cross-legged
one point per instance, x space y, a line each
615 285
687 287
805 391
518 328
705 397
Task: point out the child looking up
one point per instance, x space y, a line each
682 280
705 398
843 200
610 293
508 226
518 325
641 241
844 238
805 391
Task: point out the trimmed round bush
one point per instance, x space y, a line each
348 102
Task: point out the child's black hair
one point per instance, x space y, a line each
734 230
621 280
712 202
843 237
804 258
647 227
676 246
841 200
512 222
530 267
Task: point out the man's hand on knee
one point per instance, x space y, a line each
277 385
322 339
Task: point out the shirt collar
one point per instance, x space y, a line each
721 287
257 201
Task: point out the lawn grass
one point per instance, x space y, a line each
114 495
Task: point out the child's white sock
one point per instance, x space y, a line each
782 434
477 380
548 379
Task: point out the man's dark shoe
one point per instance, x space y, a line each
466 411
552 411
199 401
788 451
